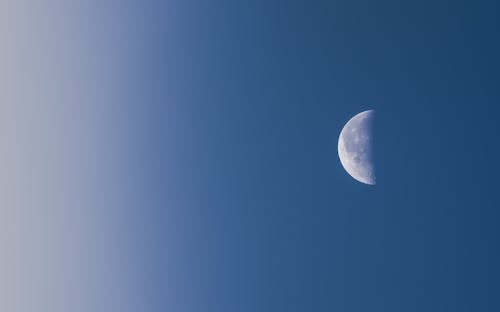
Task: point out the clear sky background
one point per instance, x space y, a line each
182 156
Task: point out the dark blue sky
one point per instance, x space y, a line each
266 219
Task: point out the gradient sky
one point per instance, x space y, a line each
181 156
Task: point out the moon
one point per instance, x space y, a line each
356 145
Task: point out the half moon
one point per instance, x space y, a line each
355 147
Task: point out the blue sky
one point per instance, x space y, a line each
181 156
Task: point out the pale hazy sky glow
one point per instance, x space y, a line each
65 195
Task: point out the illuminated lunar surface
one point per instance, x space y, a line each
355 147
